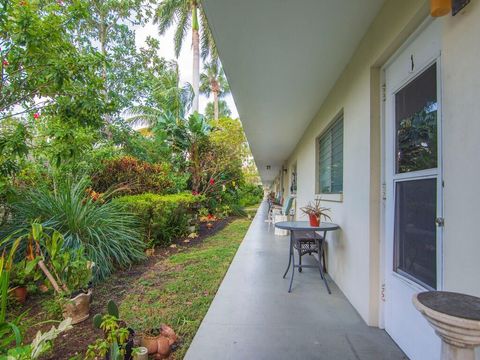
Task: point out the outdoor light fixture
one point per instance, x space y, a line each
440 7
285 170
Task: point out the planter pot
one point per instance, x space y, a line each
150 343
78 307
209 225
142 354
20 293
314 220
160 345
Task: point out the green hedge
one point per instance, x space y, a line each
163 217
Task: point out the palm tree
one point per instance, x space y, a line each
223 110
185 13
167 96
213 81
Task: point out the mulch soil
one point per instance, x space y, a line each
116 288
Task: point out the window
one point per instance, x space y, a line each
330 159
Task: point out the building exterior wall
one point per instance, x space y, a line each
461 108
354 253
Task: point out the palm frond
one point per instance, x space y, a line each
182 27
207 42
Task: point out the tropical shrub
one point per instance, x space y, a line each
134 176
250 194
109 235
163 217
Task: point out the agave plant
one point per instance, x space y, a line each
109 235
314 208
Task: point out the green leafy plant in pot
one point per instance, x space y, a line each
23 273
68 271
117 343
316 212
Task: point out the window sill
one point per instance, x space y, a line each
331 197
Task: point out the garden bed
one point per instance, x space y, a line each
175 286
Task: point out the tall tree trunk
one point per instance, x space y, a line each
196 57
215 105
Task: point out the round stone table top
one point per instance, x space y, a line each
452 304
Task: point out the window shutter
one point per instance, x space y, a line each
330 159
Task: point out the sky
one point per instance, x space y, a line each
184 60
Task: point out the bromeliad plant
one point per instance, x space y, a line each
315 212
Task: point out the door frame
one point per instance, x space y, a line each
384 212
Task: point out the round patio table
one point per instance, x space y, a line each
304 226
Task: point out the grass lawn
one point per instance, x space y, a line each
178 290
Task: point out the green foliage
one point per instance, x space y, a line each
42 69
41 344
223 110
180 12
115 335
112 309
163 217
9 330
250 194
135 177
109 235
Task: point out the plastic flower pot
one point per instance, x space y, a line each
20 293
142 353
314 220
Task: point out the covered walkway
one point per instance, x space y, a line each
254 317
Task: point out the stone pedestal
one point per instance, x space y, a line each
456 320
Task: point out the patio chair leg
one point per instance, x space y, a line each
293 273
300 262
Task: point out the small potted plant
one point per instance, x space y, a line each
68 271
117 343
315 212
22 274
140 353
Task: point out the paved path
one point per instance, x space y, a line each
252 317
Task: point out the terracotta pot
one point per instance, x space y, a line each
20 293
150 342
440 7
314 220
163 347
78 308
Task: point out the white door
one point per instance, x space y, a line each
413 183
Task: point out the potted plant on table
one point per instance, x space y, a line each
315 212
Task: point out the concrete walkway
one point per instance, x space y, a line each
253 317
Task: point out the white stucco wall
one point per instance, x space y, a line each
461 136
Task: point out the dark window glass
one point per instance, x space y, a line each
415 231
416 123
330 159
